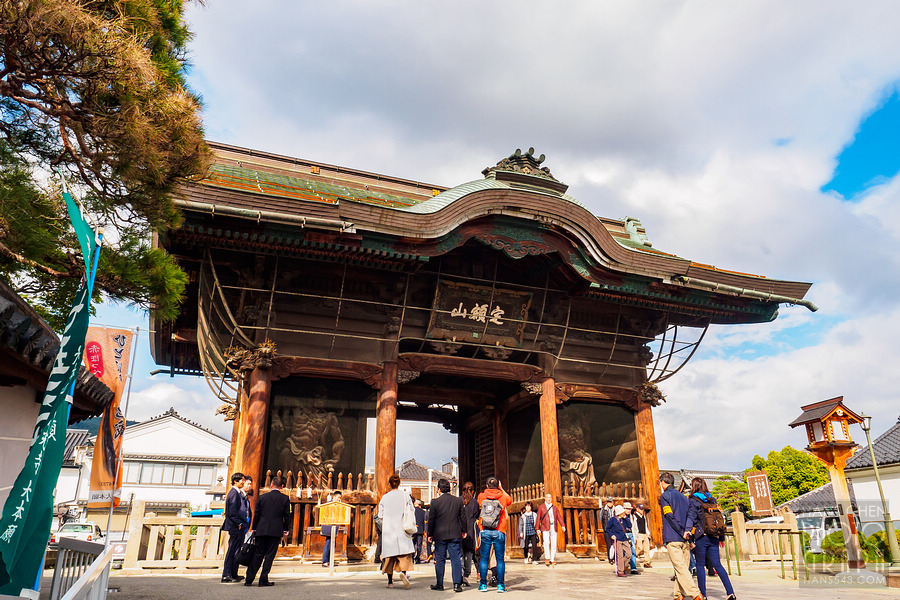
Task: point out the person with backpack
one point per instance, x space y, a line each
706 524
493 502
674 508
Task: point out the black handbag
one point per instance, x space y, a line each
247 552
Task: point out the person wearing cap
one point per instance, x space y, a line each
629 532
674 516
641 535
621 545
607 513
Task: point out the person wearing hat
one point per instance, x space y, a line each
641 535
607 512
628 525
621 545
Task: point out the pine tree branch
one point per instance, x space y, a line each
36 265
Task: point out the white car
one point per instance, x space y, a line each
87 531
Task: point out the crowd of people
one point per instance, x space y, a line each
460 528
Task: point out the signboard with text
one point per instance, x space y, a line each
760 493
335 513
483 315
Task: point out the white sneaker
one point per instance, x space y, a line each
527 561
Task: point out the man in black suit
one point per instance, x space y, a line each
420 531
271 522
447 527
237 520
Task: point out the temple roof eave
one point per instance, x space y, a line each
540 212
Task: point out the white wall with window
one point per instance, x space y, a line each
168 459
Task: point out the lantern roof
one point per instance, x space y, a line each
821 411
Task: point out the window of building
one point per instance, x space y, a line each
132 472
199 475
159 473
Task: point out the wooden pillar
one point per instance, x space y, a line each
501 449
254 447
646 439
465 462
550 449
239 432
855 557
386 428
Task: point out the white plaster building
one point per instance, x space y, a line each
169 461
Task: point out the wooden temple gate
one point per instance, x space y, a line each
501 308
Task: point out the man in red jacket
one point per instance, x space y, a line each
493 502
548 517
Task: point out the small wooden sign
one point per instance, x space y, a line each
760 493
335 513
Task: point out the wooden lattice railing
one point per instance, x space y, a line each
581 513
363 482
306 493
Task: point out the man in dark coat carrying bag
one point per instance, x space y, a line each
271 522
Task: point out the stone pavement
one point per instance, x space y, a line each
573 579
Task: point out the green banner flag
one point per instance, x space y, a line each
83 230
28 512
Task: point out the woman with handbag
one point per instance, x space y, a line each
397 514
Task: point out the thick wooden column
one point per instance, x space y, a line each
501 449
257 420
239 430
386 428
465 463
550 449
646 439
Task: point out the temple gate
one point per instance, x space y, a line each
500 308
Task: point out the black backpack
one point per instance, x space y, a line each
490 514
712 519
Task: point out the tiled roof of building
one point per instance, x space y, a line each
683 477
819 499
74 438
887 450
413 471
173 413
27 339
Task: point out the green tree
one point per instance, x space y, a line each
732 495
94 89
791 473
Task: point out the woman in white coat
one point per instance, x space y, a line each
396 545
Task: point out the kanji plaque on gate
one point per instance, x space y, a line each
483 315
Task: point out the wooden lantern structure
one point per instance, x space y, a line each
501 308
827 425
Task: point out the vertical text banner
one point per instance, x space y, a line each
28 512
107 353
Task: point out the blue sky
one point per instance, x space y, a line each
873 156
757 145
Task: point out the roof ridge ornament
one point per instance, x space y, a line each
522 163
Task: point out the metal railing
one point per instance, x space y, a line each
794 547
82 571
737 554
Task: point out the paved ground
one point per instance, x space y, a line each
584 579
